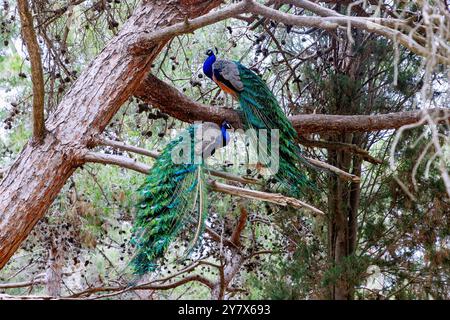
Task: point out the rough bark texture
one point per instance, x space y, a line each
36 177
343 205
361 123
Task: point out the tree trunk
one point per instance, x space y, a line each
53 274
343 208
233 259
36 177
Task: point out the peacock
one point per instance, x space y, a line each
260 110
173 197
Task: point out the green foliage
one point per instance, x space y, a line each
351 268
290 276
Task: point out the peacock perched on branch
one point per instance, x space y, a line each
174 194
260 110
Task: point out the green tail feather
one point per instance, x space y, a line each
173 198
262 111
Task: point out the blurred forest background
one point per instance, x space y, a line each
397 216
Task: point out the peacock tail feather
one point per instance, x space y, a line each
261 110
172 200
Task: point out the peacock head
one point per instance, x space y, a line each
208 64
210 52
226 125
225 135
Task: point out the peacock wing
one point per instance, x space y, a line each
227 73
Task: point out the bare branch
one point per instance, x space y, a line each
364 154
262 196
145 286
116 290
341 173
232 177
147 40
23 284
125 147
170 100
236 236
123 162
335 21
37 77
214 185
361 123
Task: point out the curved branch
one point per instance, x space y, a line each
170 100
147 40
275 198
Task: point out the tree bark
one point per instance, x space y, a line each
36 177
337 227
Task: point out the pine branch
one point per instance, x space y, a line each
341 173
275 198
364 154
383 27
